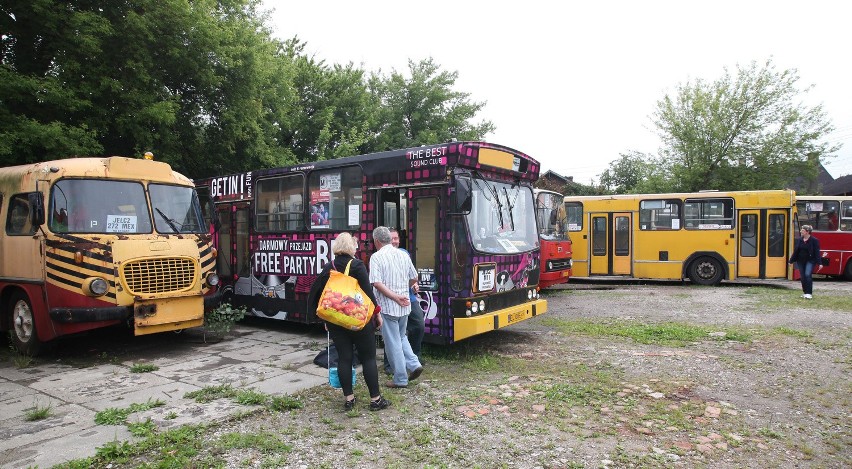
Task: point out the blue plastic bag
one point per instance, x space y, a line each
334 378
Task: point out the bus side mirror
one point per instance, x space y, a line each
36 200
462 197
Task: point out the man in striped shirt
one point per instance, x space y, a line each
392 274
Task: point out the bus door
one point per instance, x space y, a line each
611 244
22 247
234 259
762 238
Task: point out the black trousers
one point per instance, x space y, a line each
364 341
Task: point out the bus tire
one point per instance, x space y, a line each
22 328
705 271
847 272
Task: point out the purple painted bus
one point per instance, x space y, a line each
464 210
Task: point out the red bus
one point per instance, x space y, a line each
553 234
831 218
464 210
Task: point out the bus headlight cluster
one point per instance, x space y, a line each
212 280
532 294
549 265
95 286
474 307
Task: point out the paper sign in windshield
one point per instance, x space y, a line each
121 224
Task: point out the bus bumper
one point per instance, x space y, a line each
469 327
168 314
80 315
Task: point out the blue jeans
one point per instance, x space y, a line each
402 359
806 274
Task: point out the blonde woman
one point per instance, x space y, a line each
364 341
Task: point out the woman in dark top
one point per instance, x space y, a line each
344 247
806 256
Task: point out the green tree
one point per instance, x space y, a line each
742 131
423 108
636 173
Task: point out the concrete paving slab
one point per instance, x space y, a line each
261 351
289 383
165 392
96 383
237 375
269 360
73 443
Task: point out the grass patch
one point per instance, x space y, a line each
774 299
37 412
143 368
804 335
244 397
668 333
114 416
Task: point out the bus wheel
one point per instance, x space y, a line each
847 272
23 328
705 271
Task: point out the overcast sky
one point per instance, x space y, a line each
573 84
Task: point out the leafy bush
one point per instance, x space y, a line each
220 320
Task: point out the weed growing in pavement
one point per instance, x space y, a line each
667 333
114 416
244 397
142 429
37 412
143 368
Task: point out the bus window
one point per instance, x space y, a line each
79 206
499 217
599 236
279 204
776 235
176 209
574 214
846 219
748 236
708 214
622 236
659 215
820 214
335 198
19 222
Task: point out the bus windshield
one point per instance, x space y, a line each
550 210
501 219
176 209
99 206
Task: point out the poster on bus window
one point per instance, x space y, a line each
319 209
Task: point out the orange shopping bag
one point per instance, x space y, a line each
343 302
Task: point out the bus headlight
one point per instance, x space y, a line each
95 286
212 280
529 294
474 307
549 265
482 305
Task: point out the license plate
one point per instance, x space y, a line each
515 317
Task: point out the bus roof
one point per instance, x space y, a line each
113 167
475 155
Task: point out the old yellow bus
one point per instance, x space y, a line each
94 242
704 236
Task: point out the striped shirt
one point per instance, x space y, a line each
394 269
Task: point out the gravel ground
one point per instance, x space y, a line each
542 394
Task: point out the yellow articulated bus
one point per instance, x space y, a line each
94 242
704 236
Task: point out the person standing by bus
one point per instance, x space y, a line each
806 256
416 326
364 341
392 274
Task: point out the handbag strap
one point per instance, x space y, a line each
346 272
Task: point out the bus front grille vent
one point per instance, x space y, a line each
162 275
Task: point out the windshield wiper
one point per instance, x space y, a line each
511 208
496 196
168 220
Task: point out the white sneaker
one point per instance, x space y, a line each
808 296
